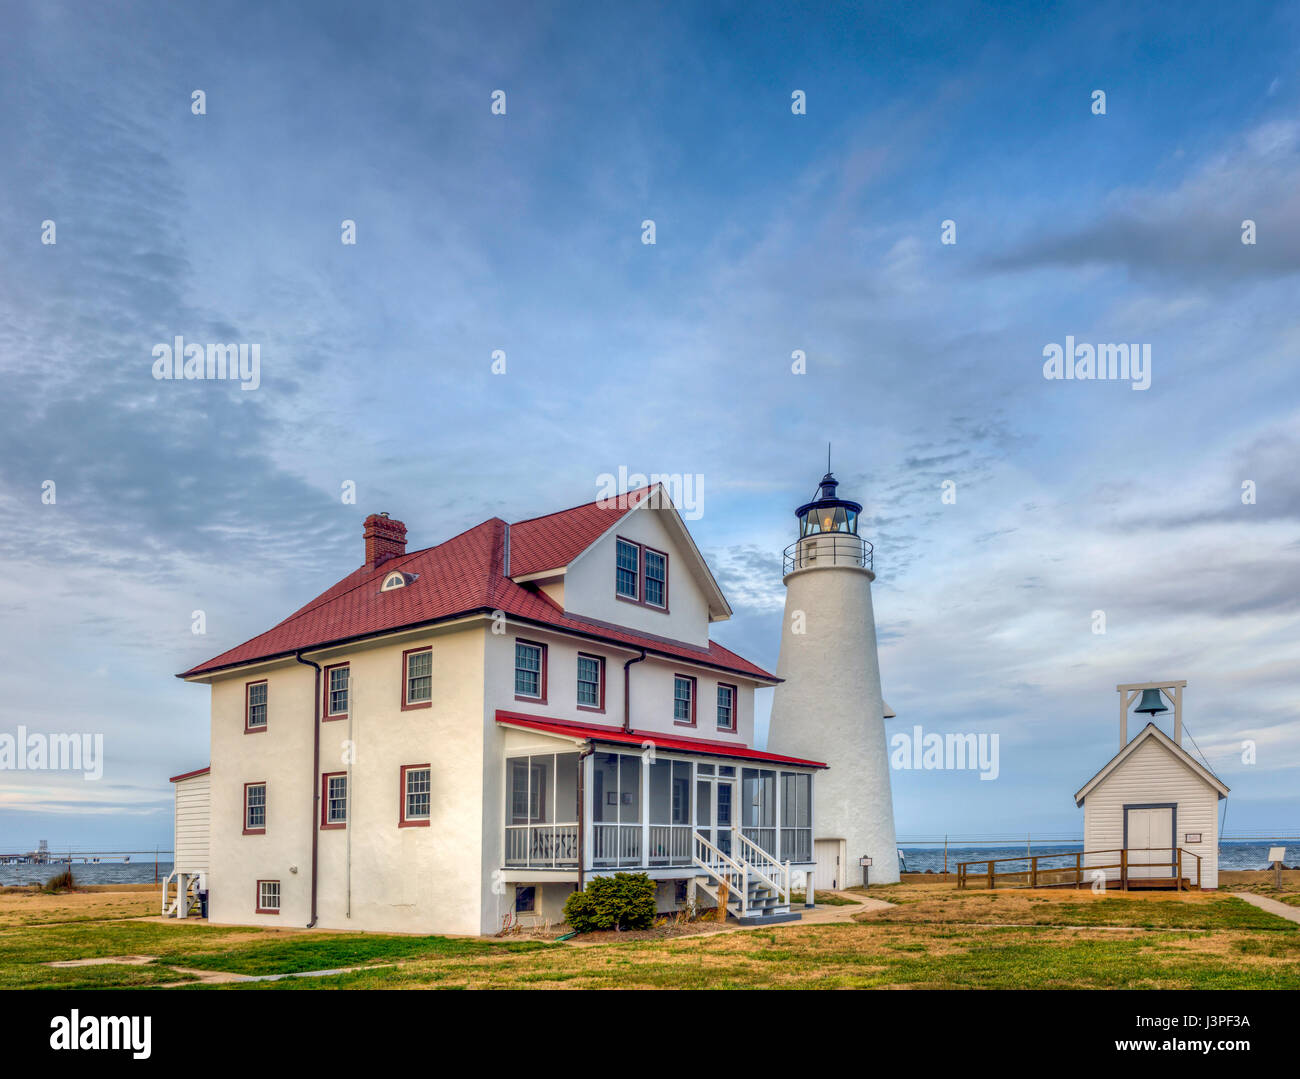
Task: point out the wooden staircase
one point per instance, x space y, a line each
752 885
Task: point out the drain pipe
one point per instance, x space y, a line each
627 691
582 815
315 780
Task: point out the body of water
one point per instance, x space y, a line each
919 859
132 872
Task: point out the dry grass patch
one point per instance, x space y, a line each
25 906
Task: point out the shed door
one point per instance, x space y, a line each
1150 839
828 864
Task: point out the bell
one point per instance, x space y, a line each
1151 702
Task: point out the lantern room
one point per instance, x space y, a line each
827 513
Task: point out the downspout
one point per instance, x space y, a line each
627 691
582 815
315 780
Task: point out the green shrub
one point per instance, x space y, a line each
623 901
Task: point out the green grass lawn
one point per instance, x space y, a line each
935 938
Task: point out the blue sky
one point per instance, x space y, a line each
774 232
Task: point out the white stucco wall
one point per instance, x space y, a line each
421 879
1152 774
829 708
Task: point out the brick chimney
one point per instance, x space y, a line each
385 539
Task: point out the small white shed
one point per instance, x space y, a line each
1150 800
189 840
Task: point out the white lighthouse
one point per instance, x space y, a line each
829 706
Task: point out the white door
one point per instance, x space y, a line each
827 853
1150 835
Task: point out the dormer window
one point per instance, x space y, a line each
397 579
640 574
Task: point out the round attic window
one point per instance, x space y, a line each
393 580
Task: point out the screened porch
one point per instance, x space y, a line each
643 809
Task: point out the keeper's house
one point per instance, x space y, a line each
449 736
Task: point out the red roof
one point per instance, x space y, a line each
190 775
617 736
458 577
558 538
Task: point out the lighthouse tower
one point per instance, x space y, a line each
829 706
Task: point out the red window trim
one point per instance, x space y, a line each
257 897
640 567
695 699
325 713
265 804
645 602
735 707
639 599
543 664
406 681
247 687
402 822
600 708
325 798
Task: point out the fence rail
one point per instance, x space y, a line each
1035 871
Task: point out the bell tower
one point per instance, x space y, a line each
829 706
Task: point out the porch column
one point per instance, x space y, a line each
780 782
645 807
810 889
588 817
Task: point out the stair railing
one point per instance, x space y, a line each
723 868
766 868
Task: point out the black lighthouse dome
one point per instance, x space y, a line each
827 513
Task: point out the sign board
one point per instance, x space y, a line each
864 861
1192 837
1276 854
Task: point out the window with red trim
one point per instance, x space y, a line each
255 701
684 700
254 808
417 678
334 800
417 796
727 695
591 682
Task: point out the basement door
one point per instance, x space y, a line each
827 853
1149 837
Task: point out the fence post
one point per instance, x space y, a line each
990 867
1078 869
1123 870
1033 871
1180 869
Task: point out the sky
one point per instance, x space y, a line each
1171 510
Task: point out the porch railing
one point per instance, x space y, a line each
616 844
542 845
764 837
670 844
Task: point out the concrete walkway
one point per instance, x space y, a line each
1282 910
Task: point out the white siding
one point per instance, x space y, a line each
193 814
1152 774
